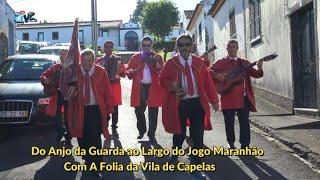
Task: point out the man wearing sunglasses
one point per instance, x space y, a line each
188 73
143 69
115 69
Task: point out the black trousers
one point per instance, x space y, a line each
115 118
91 133
62 126
152 113
190 109
243 116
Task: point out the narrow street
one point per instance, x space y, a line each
278 162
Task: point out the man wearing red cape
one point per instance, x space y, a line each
188 90
56 101
115 69
87 88
143 69
240 99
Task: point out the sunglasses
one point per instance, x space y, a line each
108 46
146 45
184 45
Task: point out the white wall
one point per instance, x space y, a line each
221 28
112 35
173 34
65 35
276 37
6 20
200 42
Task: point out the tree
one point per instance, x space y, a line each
158 18
138 11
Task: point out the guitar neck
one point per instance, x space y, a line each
238 71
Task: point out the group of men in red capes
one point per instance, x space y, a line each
184 87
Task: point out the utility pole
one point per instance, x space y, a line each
94 28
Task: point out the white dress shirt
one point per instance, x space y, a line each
184 78
146 74
92 98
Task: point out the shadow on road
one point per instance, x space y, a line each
124 160
260 169
16 150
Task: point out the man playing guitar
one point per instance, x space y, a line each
50 80
238 99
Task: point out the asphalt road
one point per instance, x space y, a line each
278 162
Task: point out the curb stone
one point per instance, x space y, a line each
298 148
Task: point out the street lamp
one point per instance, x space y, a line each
94 30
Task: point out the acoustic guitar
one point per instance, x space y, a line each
235 76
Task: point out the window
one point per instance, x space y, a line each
81 37
55 35
27 69
100 33
103 32
40 36
255 19
232 22
200 32
106 32
25 36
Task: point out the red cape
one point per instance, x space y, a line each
53 100
234 99
103 94
206 90
115 86
155 91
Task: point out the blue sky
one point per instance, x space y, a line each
68 10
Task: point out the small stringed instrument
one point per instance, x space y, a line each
53 86
235 76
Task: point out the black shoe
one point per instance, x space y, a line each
173 159
198 175
68 143
96 175
244 146
115 133
152 140
140 136
231 146
59 136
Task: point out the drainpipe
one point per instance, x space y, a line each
245 29
317 53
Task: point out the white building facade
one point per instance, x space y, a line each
200 27
61 32
290 29
8 28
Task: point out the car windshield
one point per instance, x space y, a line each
49 51
26 69
28 48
